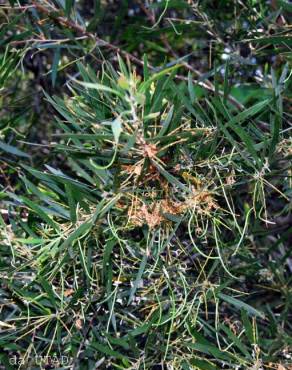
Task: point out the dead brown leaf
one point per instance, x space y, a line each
146 214
171 207
150 150
136 169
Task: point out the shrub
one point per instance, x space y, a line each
157 236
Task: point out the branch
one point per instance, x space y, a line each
76 27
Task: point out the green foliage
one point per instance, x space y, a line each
153 230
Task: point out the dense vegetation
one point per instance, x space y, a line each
145 183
